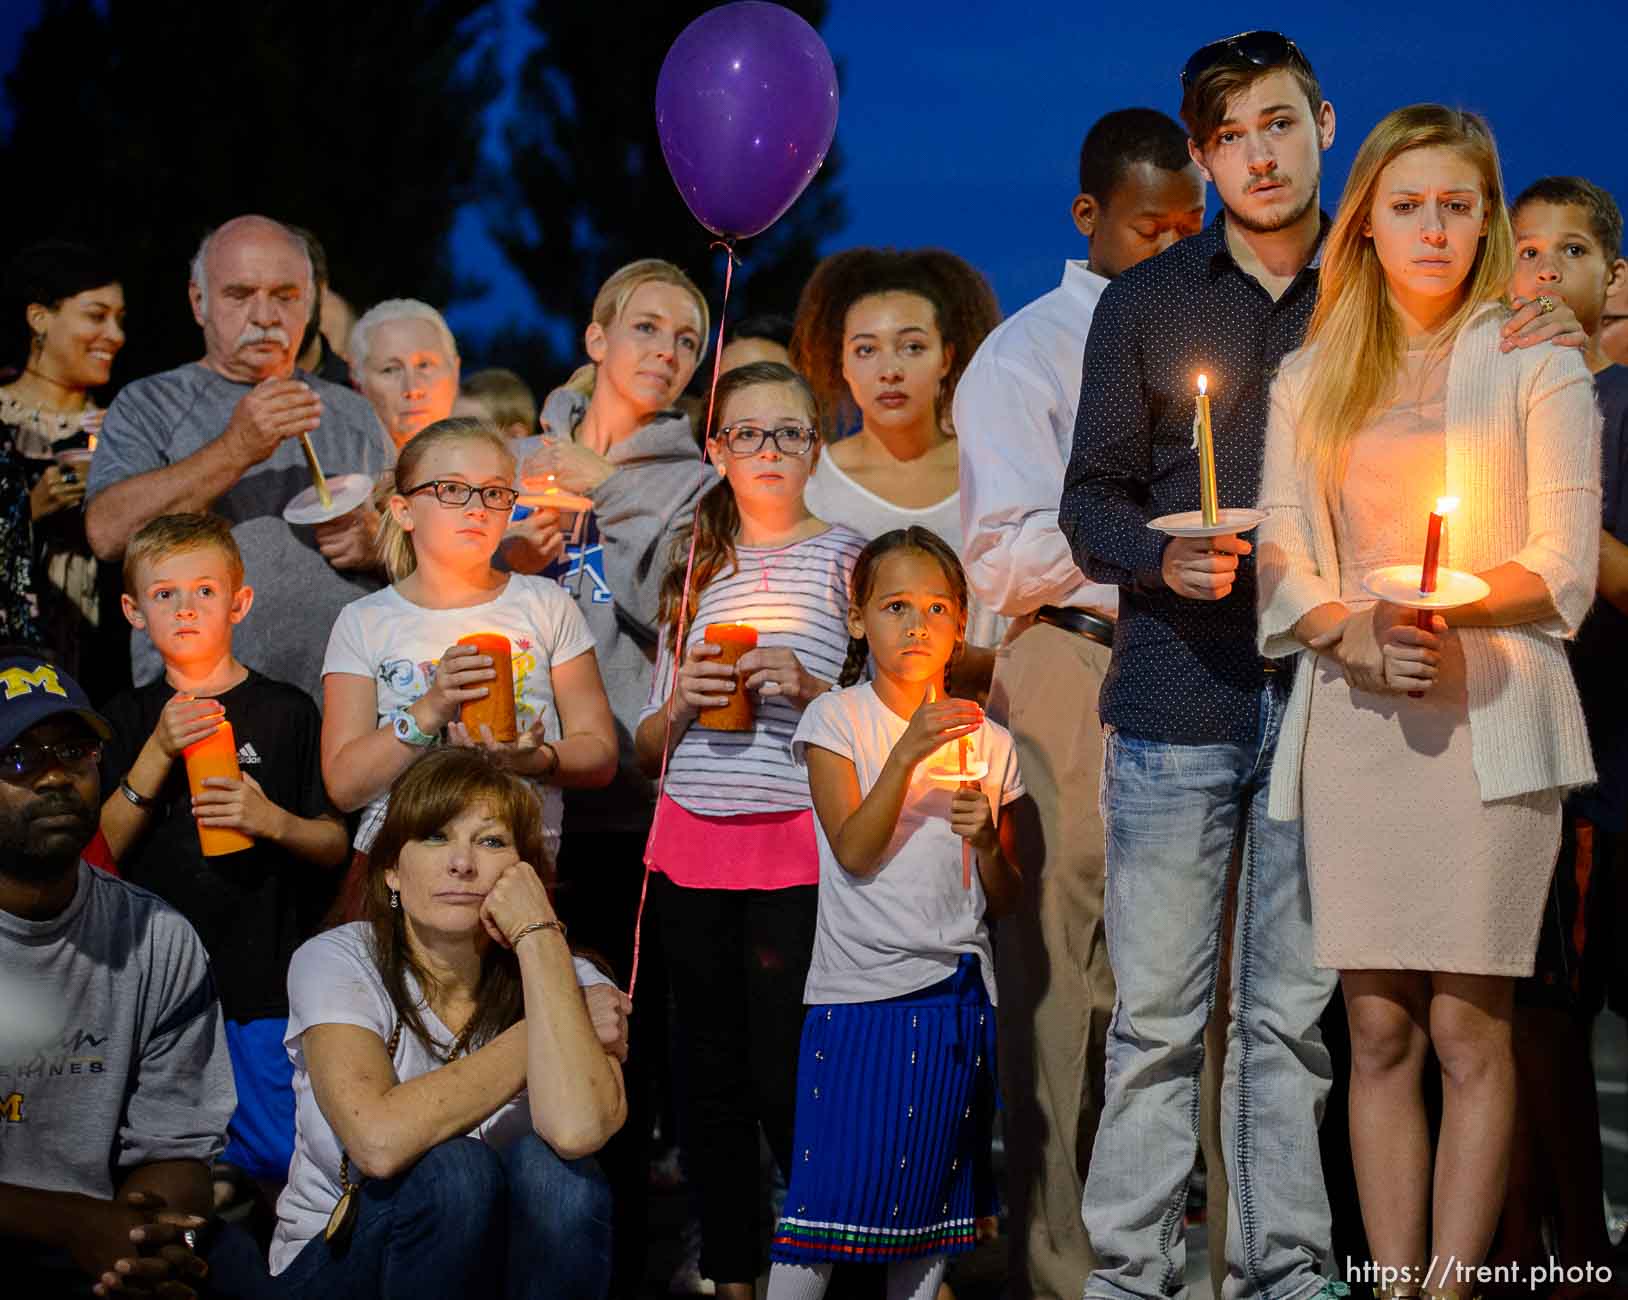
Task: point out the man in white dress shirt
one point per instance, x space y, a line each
1014 416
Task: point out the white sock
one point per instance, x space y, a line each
915 1279
798 1281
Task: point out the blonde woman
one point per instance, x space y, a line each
614 434
1431 823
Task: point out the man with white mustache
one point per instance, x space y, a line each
223 435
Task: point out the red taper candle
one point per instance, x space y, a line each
1432 563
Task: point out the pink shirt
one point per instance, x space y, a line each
773 850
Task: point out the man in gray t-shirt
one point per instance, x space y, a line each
115 1086
223 434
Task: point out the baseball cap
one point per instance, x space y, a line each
32 690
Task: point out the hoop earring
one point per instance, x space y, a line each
395 901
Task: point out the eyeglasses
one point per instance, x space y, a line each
23 762
1262 48
450 492
748 439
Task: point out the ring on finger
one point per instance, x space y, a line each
1546 304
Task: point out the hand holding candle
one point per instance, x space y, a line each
1431 568
215 755
733 640
495 709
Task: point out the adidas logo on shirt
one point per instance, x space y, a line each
246 754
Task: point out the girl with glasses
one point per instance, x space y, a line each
395 678
733 844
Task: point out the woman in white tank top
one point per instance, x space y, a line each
883 337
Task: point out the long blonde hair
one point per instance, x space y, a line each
395 543
1355 330
613 296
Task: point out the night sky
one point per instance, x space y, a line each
961 121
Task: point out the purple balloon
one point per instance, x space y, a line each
746 105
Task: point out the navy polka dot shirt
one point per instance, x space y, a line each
1183 671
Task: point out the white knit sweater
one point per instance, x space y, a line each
1523 457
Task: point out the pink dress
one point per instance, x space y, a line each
1409 869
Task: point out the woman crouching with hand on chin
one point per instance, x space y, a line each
448 1077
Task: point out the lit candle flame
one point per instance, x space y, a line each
1445 505
1203 383
93 442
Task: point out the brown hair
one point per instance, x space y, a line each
169 535
613 296
717 516
507 397
395 543
1205 99
964 308
914 538
434 791
1357 333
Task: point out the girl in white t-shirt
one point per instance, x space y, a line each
733 843
395 679
895 1086
449 1075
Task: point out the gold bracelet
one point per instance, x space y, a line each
523 931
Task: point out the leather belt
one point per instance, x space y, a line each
1093 627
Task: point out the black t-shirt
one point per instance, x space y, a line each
253 908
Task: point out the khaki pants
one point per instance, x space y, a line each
1051 962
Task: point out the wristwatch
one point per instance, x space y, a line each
407 730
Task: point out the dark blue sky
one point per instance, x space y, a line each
961 120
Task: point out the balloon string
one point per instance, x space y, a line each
676 647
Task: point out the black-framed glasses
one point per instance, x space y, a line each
748 439
1264 49
21 762
450 492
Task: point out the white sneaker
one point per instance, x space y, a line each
686 1278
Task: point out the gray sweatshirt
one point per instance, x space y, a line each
615 576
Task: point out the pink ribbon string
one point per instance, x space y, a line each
677 646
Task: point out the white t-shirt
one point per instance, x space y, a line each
902 928
797 598
398 644
334 980
833 495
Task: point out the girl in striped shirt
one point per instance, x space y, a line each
733 848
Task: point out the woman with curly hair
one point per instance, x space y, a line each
883 337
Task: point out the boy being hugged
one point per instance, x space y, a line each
183 586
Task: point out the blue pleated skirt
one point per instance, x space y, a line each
895 1103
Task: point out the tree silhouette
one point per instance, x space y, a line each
586 189
138 124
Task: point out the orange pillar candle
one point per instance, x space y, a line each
215 755
495 709
733 640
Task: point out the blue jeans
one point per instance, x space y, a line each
464 1221
1173 814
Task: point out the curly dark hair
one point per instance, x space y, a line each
964 307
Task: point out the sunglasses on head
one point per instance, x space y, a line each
1263 49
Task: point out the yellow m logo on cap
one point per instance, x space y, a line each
23 681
